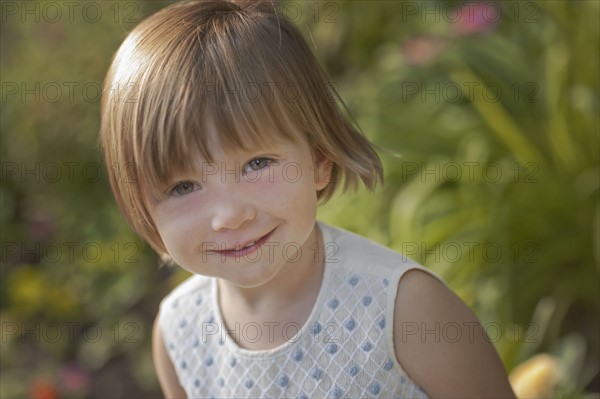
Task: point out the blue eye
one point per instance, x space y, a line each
258 163
183 188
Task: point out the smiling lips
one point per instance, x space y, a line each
246 249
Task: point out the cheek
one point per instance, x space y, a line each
292 191
175 225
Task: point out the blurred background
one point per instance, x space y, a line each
487 116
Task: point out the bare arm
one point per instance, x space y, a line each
164 367
441 345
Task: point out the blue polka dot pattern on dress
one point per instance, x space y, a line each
388 365
353 281
316 373
332 348
350 324
283 380
297 355
374 388
334 303
366 301
316 328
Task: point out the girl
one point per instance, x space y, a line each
232 135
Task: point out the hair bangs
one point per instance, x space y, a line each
180 131
221 94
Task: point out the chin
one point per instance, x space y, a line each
254 278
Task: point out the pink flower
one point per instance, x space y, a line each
422 49
475 17
74 378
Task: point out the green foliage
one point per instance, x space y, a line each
496 188
497 194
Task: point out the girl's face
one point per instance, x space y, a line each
245 216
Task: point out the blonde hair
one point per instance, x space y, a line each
239 67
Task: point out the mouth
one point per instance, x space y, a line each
249 247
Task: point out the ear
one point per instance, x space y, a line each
323 170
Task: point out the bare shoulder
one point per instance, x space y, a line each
440 343
165 371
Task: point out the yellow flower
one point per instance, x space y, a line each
536 377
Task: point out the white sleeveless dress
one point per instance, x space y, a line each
344 350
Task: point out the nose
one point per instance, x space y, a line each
231 212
